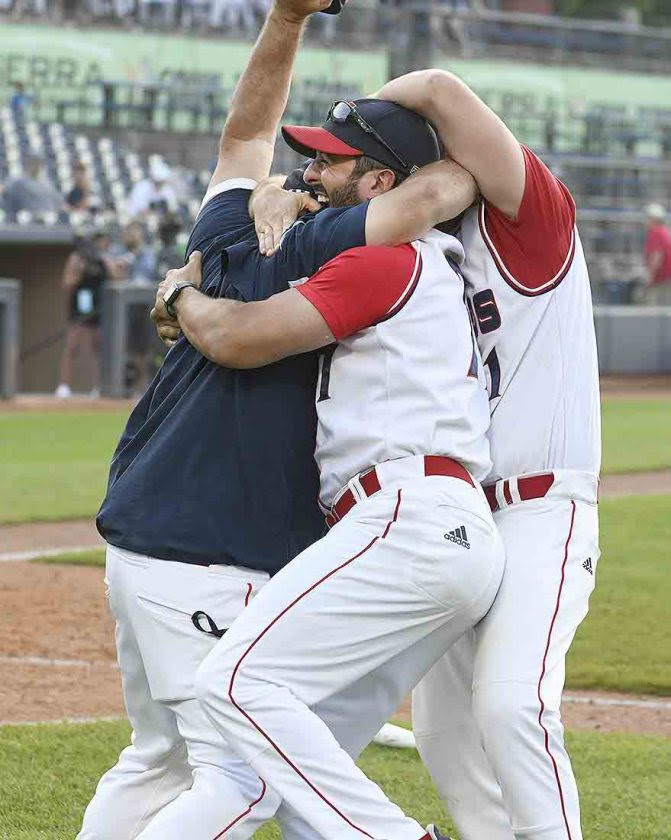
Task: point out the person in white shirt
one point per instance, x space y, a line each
152 192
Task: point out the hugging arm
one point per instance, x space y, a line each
473 135
353 291
437 193
236 334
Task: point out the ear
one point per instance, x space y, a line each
385 180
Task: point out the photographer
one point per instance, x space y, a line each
86 269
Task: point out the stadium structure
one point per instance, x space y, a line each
121 85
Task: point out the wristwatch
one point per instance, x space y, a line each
171 295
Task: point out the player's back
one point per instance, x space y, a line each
530 302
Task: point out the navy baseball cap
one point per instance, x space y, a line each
393 135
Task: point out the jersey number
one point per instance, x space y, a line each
325 373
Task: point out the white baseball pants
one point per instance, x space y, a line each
179 778
384 583
487 716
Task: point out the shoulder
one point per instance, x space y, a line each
363 286
533 251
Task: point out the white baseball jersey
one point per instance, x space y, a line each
530 303
405 377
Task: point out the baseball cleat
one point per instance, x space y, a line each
395 736
435 834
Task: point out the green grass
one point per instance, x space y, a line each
636 434
625 642
54 465
48 773
96 557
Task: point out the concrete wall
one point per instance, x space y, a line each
633 339
38 264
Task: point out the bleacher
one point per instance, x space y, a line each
112 169
463 28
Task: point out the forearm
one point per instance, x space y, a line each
439 192
263 90
208 324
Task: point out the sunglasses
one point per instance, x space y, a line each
342 112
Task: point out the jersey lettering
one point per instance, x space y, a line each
486 311
326 360
492 362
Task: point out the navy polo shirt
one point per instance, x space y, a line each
216 466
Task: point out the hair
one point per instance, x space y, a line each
366 164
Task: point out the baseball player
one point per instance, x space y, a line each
213 485
412 559
487 717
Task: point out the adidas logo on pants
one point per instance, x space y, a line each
458 536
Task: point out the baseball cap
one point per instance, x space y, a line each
393 135
656 211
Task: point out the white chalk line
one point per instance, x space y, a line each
69 720
569 696
56 663
637 703
34 554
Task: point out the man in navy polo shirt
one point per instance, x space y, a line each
238 445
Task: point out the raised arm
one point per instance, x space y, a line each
247 142
471 132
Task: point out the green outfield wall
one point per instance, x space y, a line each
54 60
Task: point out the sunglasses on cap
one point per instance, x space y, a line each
342 112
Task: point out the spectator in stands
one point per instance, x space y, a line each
31 191
233 15
153 193
657 253
19 100
79 196
170 254
86 269
133 259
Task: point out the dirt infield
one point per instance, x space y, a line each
57 657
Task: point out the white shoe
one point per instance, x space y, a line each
395 736
434 833
63 392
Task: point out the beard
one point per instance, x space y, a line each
346 195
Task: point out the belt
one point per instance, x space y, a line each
519 489
370 483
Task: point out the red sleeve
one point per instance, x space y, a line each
534 251
363 286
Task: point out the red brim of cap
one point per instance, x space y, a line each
307 140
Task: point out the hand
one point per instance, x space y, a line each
167 327
274 211
168 331
189 273
298 10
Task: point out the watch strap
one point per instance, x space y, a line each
172 297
